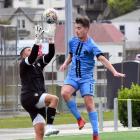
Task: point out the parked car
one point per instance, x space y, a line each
138 57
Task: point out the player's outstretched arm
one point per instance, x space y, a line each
110 67
66 63
51 53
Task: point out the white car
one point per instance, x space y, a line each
138 57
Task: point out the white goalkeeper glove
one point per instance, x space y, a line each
38 34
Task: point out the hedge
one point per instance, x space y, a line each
132 93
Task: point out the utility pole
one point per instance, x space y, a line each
68 23
124 58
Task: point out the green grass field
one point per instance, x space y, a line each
62 118
133 135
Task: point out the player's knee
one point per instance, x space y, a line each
90 107
63 93
65 96
56 99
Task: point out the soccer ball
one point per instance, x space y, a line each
50 16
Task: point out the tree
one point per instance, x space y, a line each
5 22
120 7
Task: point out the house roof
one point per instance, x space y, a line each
33 14
103 32
5 13
100 32
132 16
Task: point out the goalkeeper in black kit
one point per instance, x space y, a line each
34 98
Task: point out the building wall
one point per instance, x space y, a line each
18 3
28 26
131 30
132 38
113 50
1 3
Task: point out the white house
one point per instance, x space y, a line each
24 18
109 39
129 25
59 5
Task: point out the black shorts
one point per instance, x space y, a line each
29 101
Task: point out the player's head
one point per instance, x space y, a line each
82 25
25 52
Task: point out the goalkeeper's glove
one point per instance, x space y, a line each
38 34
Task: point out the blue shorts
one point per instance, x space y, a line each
84 85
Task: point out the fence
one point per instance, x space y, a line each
129 112
8 68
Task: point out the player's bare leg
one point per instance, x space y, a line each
67 92
39 131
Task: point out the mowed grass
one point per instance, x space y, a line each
62 118
133 135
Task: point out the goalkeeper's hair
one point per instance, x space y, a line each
83 20
22 51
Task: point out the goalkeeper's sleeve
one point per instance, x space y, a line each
34 54
51 53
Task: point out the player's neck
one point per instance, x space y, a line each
84 38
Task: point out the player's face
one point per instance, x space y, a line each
81 31
27 52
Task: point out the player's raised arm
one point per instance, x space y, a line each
109 66
50 55
34 53
30 54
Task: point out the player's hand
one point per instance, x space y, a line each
38 34
117 74
63 67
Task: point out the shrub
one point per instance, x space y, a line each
134 94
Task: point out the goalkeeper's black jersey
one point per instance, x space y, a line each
31 73
32 79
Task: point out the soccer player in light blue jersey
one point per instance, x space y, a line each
82 50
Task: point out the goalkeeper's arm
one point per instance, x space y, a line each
34 53
50 55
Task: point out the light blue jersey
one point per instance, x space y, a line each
81 69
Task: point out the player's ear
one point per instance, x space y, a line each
23 54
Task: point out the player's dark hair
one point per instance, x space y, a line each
83 20
21 52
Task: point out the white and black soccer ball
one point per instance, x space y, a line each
50 16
